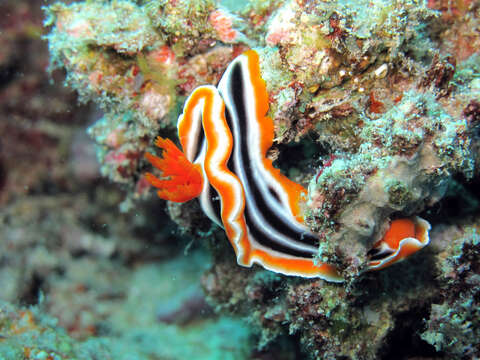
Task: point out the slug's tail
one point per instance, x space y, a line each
181 180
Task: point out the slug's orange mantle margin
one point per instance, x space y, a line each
219 130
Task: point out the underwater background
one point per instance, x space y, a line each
376 110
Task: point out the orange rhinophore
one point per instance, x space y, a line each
185 179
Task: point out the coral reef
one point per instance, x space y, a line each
368 82
137 70
452 326
78 280
376 108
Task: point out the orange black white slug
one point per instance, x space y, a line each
404 238
225 136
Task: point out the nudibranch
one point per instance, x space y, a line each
225 135
403 238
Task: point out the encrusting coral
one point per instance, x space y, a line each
375 108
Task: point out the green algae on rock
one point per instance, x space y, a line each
452 326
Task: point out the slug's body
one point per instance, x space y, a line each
225 135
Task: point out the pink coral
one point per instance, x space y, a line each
222 23
155 104
79 29
163 55
115 138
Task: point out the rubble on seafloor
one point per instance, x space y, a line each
376 106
